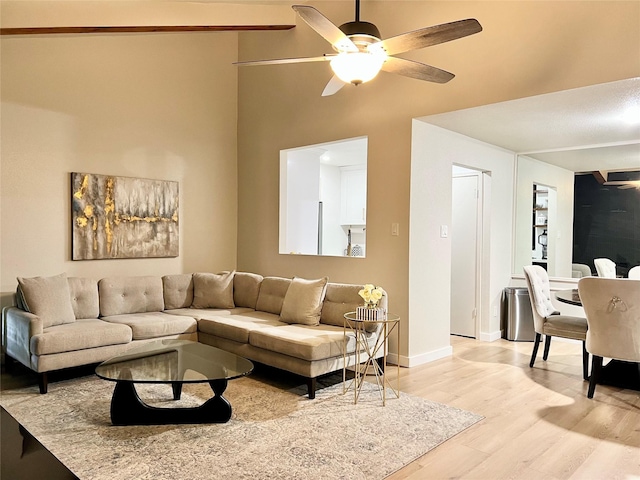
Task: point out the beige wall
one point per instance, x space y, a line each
160 106
164 106
526 48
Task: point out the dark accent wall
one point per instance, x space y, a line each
606 223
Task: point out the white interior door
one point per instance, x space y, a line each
464 231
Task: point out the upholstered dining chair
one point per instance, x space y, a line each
547 320
605 267
612 306
579 270
634 273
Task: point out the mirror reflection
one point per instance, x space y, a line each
544 217
575 219
323 199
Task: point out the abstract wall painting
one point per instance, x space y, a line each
123 217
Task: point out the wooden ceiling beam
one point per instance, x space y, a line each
140 29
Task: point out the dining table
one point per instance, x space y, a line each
616 373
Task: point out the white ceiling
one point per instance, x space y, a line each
341 153
582 130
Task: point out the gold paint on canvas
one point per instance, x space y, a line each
109 213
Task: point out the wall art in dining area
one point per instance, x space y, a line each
123 217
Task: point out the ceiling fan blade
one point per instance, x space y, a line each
276 61
412 69
328 30
333 86
425 37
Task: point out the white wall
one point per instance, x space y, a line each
434 151
161 106
560 232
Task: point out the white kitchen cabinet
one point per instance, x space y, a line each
353 196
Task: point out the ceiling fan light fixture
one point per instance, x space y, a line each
357 68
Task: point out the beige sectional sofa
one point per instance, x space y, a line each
291 324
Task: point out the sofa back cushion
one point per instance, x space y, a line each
178 291
339 299
84 297
48 298
342 298
213 290
246 287
272 293
121 295
303 301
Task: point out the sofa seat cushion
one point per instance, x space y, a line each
308 342
199 313
154 324
79 335
238 327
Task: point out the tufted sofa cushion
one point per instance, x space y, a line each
84 297
339 299
121 295
272 293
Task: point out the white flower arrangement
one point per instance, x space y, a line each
371 295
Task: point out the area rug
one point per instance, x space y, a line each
273 433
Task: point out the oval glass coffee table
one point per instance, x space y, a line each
171 362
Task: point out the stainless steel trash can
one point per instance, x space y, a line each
518 319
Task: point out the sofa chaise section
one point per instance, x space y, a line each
306 350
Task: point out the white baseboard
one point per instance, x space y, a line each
490 337
420 359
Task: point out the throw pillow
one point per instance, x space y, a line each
178 291
213 290
47 297
303 301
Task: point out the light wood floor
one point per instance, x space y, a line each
539 423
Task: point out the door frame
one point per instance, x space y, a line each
481 223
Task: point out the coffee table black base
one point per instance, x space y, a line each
127 408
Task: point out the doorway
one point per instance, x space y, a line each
466 238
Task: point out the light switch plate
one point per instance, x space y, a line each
444 231
395 229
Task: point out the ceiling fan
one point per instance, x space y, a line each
361 54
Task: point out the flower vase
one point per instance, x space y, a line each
370 311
